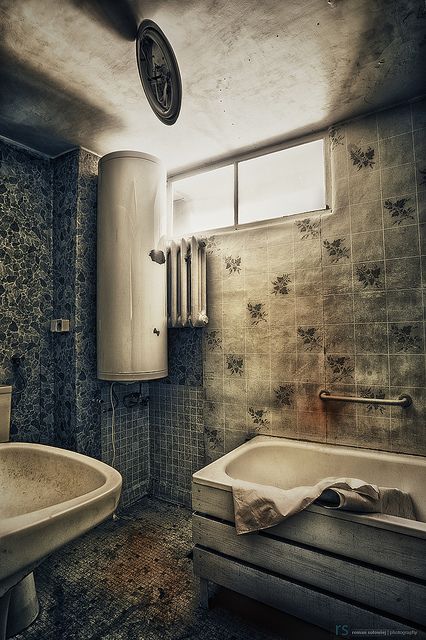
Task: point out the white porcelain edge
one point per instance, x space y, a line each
215 475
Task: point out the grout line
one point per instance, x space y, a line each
324 369
244 328
348 172
295 375
272 426
385 275
422 284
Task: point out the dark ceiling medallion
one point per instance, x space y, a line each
159 72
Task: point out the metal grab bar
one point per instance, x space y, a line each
403 401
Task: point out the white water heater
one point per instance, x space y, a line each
131 268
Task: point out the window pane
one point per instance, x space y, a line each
282 183
204 201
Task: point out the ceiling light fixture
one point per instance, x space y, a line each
159 72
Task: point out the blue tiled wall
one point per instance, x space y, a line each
48 269
26 292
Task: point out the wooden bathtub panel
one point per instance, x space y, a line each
394 595
212 501
397 552
295 599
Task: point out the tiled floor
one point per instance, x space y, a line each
131 579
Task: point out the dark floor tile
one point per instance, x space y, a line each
132 579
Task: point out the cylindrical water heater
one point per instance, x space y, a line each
131 279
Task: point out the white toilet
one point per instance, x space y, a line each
19 606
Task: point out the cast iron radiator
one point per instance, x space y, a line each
186 283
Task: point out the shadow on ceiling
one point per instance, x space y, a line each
117 16
43 114
388 67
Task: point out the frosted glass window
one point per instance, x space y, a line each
281 183
204 201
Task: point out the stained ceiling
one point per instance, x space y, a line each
253 71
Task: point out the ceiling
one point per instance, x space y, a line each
253 71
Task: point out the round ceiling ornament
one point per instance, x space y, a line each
159 72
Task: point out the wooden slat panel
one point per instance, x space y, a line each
297 600
391 594
380 547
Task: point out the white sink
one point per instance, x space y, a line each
48 496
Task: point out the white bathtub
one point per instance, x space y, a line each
285 463
325 566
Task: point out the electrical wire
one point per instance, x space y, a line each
135 399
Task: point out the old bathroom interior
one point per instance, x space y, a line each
212 321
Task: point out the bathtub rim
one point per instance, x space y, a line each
214 475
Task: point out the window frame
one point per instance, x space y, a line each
235 161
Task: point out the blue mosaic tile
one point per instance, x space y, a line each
177 439
185 357
26 296
65 181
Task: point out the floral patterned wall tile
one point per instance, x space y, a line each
235 416
324 300
364 188
367 215
405 434
404 305
373 432
402 242
258 391
369 276
399 211
371 337
406 338
394 121
312 426
378 392
337 279
340 368
396 150
362 130
372 369
367 246
396 181
362 157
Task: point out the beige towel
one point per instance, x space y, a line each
389 501
262 506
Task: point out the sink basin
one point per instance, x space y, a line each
48 496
